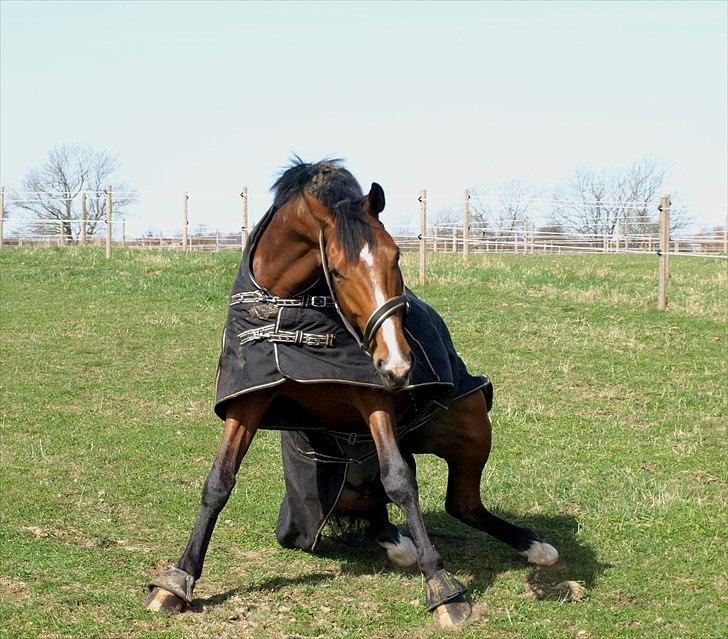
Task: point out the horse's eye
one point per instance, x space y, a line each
335 273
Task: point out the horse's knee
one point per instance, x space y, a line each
399 483
218 486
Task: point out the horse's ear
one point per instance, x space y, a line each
375 199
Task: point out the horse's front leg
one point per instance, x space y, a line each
444 593
171 590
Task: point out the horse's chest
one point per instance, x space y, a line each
333 404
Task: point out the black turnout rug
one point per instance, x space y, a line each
268 340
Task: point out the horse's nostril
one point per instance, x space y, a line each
379 364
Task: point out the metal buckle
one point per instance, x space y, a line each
319 301
283 337
287 302
247 297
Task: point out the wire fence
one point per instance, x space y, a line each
499 225
496 226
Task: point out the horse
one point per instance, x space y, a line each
321 224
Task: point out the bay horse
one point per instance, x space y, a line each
322 224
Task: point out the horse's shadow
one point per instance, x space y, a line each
479 558
471 555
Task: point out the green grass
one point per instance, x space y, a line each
610 441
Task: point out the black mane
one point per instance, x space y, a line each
337 189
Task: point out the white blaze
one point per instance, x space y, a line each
396 362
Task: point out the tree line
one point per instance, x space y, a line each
592 201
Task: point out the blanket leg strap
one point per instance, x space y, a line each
172 581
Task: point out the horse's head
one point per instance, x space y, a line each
362 263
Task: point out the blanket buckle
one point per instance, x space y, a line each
319 301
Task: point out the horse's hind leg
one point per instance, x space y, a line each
462 436
171 591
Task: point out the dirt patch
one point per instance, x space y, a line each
567 590
12 588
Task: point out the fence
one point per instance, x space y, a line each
632 230
73 223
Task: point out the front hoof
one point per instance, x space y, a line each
170 591
452 614
542 555
160 600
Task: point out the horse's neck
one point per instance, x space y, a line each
286 258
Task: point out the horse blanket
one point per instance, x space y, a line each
268 340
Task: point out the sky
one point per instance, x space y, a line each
208 97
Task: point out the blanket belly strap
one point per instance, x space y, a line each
297 338
302 301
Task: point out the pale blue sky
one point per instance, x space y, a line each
210 96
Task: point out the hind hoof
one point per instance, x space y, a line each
542 555
160 600
452 614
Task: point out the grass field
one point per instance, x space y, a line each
609 440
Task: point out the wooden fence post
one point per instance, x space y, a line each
664 241
244 221
466 227
436 235
123 233
423 235
454 239
84 218
217 241
185 222
2 215
109 219
533 236
161 241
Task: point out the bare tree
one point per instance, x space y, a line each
50 190
504 208
448 216
594 202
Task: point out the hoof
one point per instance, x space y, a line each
160 600
401 551
451 614
542 555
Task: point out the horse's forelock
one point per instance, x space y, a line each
338 190
352 228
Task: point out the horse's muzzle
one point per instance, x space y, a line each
395 375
